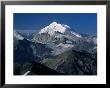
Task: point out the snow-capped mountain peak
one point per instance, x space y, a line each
55 27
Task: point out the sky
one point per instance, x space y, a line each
83 23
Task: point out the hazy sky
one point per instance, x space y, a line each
79 22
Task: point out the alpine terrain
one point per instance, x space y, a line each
55 50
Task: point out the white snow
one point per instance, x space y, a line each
65 45
60 48
27 73
70 42
55 27
18 36
76 34
66 26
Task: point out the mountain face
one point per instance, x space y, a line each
73 63
55 32
25 50
60 39
58 48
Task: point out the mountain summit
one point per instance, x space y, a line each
55 27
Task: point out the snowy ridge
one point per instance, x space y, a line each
18 36
76 34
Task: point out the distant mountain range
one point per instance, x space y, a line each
57 48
